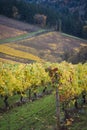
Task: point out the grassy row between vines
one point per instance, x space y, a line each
38 115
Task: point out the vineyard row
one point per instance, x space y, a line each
71 80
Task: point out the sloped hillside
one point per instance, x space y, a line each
50 46
6 32
12 28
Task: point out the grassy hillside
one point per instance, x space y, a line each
49 46
18 24
11 52
27 43
6 32
13 30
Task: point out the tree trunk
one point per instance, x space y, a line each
29 94
6 102
76 104
84 98
21 99
57 109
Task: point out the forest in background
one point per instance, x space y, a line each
59 17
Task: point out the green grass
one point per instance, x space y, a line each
65 34
38 115
15 98
22 37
